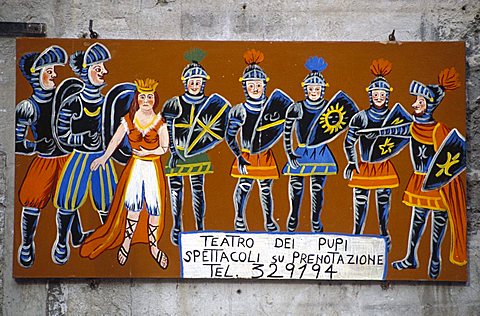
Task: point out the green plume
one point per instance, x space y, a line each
195 55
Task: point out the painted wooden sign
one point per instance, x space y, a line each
138 159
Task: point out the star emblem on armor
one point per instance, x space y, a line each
445 167
387 146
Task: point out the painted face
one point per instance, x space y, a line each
194 86
314 92
255 89
47 76
146 101
379 97
96 73
419 106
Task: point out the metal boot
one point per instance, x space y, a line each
26 251
61 249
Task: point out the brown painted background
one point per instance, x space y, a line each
348 70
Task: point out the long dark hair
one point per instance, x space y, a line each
134 106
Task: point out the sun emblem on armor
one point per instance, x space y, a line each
332 120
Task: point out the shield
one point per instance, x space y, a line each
116 105
269 126
333 120
209 126
66 92
449 161
385 147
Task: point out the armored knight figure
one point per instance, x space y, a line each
196 122
35 114
316 122
260 121
366 174
79 111
438 156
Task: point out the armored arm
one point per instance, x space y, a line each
68 112
294 113
358 121
26 115
402 130
349 145
237 117
172 110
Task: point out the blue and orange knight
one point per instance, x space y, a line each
365 175
80 127
438 156
260 121
35 114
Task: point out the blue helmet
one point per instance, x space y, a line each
81 60
31 63
315 65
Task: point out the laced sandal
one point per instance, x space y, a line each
161 258
122 255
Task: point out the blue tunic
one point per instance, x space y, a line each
313 160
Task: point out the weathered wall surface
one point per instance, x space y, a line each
319 20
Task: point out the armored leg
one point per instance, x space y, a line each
198 199
240 198
417 226
61 248
266 200
176 202
360 205
439 226
76 231
317 184
295 190
26 251
383 212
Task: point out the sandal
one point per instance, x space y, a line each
161 258
124 251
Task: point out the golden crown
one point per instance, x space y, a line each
146 86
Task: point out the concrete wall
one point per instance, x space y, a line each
319 20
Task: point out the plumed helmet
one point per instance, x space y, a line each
448 79
315 65
380 68
194 69
253 71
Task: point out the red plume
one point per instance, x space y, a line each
381 67
253 56
449 79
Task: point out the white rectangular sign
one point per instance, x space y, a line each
282 256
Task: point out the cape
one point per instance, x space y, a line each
110 235
453 195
